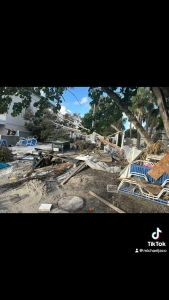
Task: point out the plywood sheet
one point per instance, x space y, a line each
160 168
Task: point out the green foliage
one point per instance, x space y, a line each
6 154
43 127
160 124
106 113
133 133
25 93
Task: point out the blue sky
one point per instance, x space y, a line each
71 104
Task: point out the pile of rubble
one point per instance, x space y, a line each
49 166
148 175
144 174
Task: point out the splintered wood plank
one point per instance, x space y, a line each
106 202
158 170
108 143
73 173
165 167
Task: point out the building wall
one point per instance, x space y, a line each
11 139
17 123
2 129
2 119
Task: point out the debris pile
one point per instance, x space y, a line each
155 149
146 174
148 177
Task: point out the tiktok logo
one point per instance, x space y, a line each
156 234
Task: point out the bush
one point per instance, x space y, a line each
6 154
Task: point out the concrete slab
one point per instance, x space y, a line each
71 203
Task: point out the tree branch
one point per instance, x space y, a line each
74 96
117 99
68 128
115 128
165 90
79 124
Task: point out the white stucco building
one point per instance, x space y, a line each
15 123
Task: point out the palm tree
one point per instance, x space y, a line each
143 105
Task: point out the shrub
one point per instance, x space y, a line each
6 154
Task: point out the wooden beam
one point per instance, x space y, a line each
76 170
115 128
107 203
108 143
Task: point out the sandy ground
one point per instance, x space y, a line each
34 192
31 149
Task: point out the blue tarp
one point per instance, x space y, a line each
3 165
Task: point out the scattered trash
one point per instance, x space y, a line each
28 157
86 157
102 166
91 208
115 155
3 165
113 197
13 178
112 188
148 165
45 207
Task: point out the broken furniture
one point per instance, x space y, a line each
149 189
3 143
31 141
135 188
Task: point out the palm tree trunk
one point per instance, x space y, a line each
162 109
140 115
152 125
129 114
